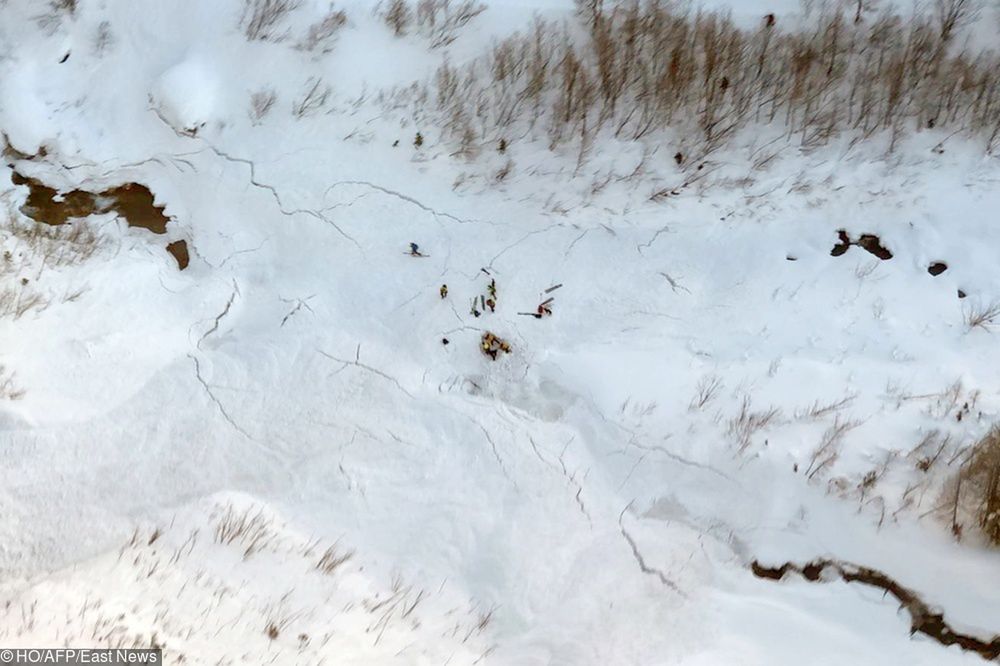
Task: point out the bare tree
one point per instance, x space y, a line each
953 15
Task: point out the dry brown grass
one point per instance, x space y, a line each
982 315
262 19
251 530
333 558
28 249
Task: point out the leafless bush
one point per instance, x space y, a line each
261 19
16 302
706 390
953 15
440 20
982 315
820 410
313 99
320 35
504 171
647 67
9 390
747 423
398 16
53 246
828 450
57 10
260 104
976 488
103 39
929 450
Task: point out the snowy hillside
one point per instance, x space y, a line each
281 441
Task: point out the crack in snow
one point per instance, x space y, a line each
299 304
674 284
238 252
572 480
277 197
664 229
357 363
406 198
214 399
681 459
496 453
575 241
521 240
219 317
641 561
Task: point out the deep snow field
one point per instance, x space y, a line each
271 456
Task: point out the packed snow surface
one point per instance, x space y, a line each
273 457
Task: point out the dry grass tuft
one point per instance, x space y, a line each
983 315
262 19
333 558
251 530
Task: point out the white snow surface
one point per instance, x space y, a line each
567 504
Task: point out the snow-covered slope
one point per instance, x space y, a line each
594 497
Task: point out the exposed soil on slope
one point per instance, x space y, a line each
868 242
132 201
922 619
179 250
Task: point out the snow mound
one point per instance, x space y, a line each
186 95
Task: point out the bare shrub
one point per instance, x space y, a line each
829 447
398 16
261 19
976 488
320 35
9 390
57 10
648 67
313 99
103 39
54 246
261 103
15 302
820 410
706 390
953 15
747 423
440 20
982 315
